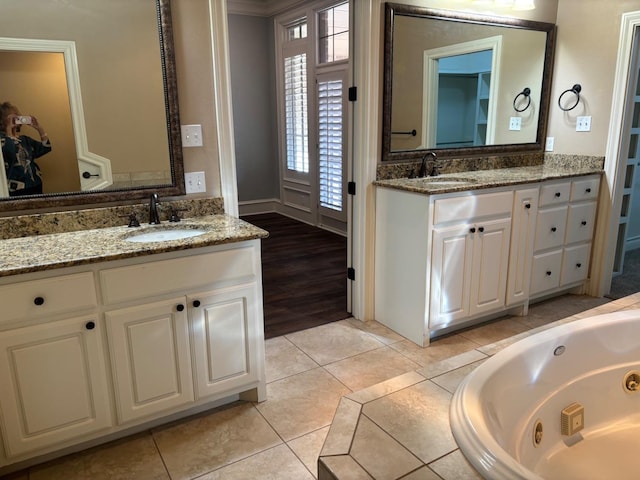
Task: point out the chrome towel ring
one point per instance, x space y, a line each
576 89
526 93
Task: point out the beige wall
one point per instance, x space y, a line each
586 53
195 86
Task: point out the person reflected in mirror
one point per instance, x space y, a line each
21 151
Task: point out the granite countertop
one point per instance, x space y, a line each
480 179
45 252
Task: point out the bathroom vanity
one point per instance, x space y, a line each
462 248
101 336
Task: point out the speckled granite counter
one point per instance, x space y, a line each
481 179
46 252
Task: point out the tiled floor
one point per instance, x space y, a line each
308 373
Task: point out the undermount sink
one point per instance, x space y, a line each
445 181
164 234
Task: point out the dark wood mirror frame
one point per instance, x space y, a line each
177 186
391 9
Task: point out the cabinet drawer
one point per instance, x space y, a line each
472 206
46 297
580 222
554 193
550 228
545 271
179 274
586 189
575 264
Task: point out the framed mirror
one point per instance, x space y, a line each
101 79
463 84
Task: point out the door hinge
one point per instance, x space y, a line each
353 94
351 188
351 273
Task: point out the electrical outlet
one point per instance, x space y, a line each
194 182
548 147
191 135
583 124
515 123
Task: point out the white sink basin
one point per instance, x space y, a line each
437 181
165 235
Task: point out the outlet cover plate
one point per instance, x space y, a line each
194 182
583 124
548 147
515 123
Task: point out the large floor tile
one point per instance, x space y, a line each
333 342
377 331
302 403
369 368
379 454
284 359
455 467
307 448
494 331
278 463
134 458
418 417
436 351
207 442
450 380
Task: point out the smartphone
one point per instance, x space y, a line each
22 120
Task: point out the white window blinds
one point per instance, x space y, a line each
295 90
330 102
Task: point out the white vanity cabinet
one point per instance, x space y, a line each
564 231
110 348
443 261
470 255
200 340
53 375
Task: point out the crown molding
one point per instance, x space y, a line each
260 8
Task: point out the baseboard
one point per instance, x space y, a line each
632 244
256 207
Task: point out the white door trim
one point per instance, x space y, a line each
614 170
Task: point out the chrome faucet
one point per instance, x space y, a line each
423 166
154 218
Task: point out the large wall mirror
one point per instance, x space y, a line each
100 78
463 84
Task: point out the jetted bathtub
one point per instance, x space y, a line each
516 415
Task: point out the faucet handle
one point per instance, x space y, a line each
175 215
133 219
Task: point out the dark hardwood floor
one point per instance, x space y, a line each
303 275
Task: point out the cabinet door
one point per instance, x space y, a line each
150 358
54 384
580 222
545 271
451 264
550 227
523 228
225 338
575 264
490 265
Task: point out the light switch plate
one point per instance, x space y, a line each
191 135
515 123
548 147
194 182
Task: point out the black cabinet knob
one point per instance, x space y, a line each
584 222
472 229
38 301
578 265
90 325
553 229
588 190
557 194
548 273
527 205
196 303
481 229
180 307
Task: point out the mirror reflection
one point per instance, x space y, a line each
99 78
452 82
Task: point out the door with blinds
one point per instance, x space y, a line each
331 149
